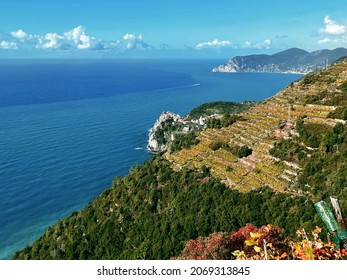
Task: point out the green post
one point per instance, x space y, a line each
327 216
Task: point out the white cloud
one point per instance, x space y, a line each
213 44
216 44
80 39
324 41
129 37
75 38
266 44
333 42
335 34
19 34
130 40
332 28
133 41
53 41
75 34
247 45
84 42
8 45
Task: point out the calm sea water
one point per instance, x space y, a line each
68 127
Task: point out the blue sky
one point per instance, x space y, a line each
168 28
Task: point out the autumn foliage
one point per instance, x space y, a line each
263 243
214 247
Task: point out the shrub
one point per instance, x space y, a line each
244 151
266 242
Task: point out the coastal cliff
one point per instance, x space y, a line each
293 61
298 143
170 126
167 127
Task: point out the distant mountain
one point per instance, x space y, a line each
293 60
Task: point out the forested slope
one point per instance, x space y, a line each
150 213
295 155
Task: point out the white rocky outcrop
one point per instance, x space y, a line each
153 144
167 126
231 66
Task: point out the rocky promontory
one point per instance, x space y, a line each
294 60
170 126
167 127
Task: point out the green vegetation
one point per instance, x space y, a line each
327 98
311 134
184 141
325 170
289 150
218 145
309 79
225 116
167 127
244 151
150 213
339 60
339 113
220 108
225 121
343 88
236 150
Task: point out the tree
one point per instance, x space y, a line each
244 151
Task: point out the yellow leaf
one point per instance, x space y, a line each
257 249
255 235
250 242
239 254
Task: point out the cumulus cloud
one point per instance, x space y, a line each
8 45
75 38
332 28
84 42
213 44
266 44
334 34
19 34
130 41
80 39
52 41
133 41
75 34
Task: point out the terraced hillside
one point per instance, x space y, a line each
318 99
295 143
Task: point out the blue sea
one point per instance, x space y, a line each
67 128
